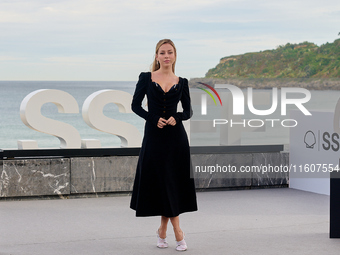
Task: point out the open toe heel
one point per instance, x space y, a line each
181 245
161 243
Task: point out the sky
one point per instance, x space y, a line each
109 40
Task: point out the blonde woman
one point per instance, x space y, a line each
163 186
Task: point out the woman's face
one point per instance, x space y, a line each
166 55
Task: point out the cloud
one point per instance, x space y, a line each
81 34
10 58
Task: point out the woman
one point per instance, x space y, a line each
163 186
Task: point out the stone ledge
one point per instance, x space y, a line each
34 177
65 177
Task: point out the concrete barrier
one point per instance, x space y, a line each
82 176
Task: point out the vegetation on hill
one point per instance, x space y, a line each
303 60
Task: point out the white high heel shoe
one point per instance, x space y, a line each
181 245
161 243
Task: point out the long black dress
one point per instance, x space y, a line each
162 183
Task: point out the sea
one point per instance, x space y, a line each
12 128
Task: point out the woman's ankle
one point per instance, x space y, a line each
162 232
179 235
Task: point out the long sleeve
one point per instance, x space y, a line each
186 104
138 97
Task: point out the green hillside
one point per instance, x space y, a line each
303 60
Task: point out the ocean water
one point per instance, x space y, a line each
13 129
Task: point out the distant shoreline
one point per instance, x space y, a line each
268 83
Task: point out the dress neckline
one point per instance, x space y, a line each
163 89
179 80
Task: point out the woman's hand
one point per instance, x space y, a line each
171 121
161 122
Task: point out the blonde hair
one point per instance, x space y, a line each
155 66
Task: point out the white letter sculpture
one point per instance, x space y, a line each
93 116
30 114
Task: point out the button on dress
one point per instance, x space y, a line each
162 183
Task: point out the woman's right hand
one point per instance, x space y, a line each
161 123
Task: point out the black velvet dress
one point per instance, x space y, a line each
162 183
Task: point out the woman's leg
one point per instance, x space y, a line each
177 230
164 225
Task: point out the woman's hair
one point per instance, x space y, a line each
155 66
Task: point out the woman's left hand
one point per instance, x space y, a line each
171 121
